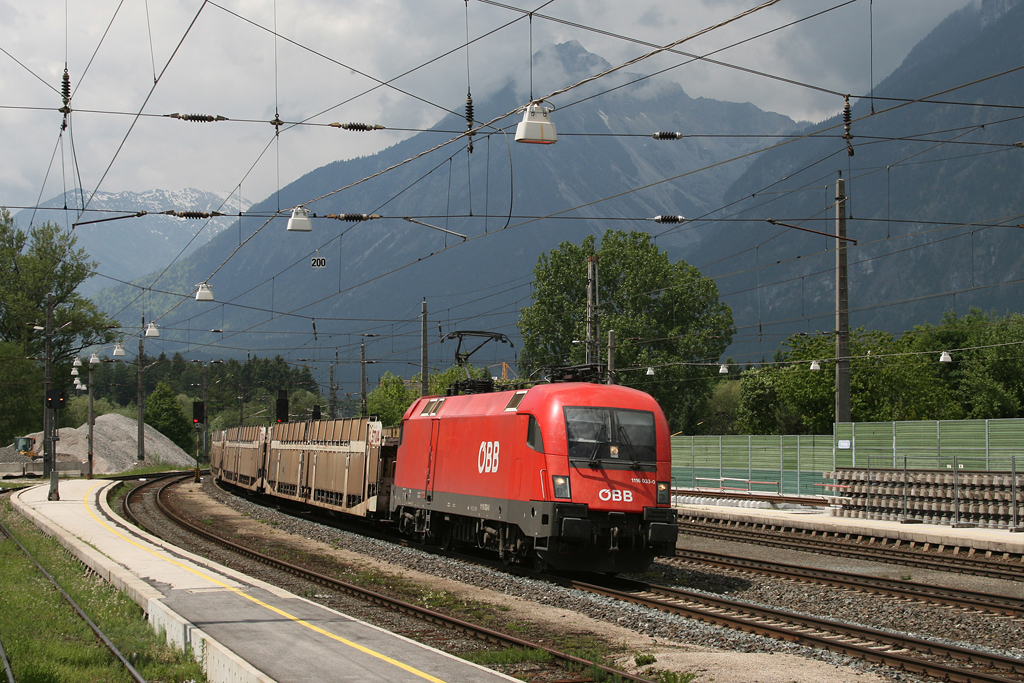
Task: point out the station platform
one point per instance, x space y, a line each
241 629
986 541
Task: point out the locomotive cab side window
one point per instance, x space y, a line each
610 435
533 436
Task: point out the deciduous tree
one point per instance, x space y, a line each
44 261
665 315
164 413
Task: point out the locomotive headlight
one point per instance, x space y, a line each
561 486
664 492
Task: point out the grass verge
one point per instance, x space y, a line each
45 640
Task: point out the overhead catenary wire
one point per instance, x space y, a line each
146 101
404 267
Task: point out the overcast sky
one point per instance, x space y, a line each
223 59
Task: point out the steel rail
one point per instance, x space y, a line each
859 642
7 665
847 639
430 616
92 625
987 602
3 655
890 554
819 501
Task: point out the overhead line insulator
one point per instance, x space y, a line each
669 219
65 95
469 120
667 135
352 217
192 214
362 127
847 120
65 88
196 118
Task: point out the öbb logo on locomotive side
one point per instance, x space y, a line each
615 495
487 456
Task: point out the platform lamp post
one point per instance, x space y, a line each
93 360
49 447
362 375
50 401
147 331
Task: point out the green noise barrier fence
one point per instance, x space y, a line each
794 465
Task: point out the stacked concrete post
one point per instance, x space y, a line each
984 499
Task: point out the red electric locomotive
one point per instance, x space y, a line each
568 475
572 476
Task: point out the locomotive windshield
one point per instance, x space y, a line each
610 435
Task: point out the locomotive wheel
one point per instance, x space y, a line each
539 565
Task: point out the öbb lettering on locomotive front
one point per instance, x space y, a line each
487 457
615 495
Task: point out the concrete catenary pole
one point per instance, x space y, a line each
424 385
48 445
593 354
842 310
611 356
140 399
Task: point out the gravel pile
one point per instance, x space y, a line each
8 454
657 625
115 445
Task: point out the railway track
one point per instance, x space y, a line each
984 602
927 657
100 635
890 551
3 654
567 661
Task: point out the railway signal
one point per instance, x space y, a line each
55 399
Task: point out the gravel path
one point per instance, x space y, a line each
679 644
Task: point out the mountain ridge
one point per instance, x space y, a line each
131 248
468 194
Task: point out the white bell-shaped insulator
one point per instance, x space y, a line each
723 369
299 222
118 350
650 371
94 359
204 292
815 365
74 372
152 331
945 357
536 126
78 362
